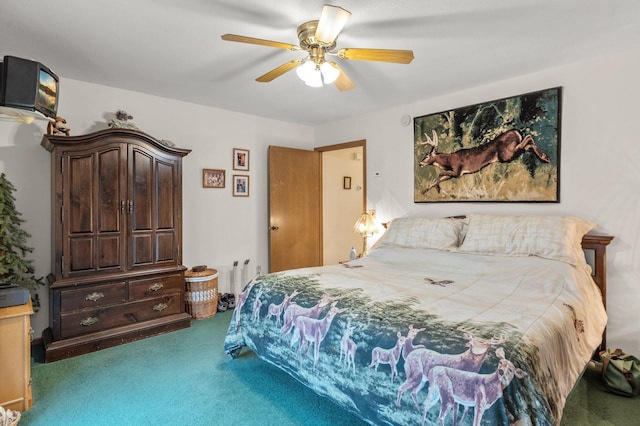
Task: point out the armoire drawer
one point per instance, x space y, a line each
157 286
92 296
93 320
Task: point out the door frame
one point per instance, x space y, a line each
336 147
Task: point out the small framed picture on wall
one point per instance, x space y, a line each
240 185
212 178
346 182
241 159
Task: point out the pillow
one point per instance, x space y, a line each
551 237
421 232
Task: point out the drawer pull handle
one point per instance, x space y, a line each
155 286
88 321
160 307
94 296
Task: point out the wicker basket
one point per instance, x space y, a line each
201 295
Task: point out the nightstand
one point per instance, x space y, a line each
15 357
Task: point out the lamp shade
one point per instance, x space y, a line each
305 70
365 225
310 74
329 72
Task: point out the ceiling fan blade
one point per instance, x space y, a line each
251 40
277 72
331 22
380 55
343 82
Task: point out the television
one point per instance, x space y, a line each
28 85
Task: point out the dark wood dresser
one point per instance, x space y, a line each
117 241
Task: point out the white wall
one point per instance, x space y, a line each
599 174
218 228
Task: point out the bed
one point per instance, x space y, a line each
476 320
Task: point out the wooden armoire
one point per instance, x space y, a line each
117 241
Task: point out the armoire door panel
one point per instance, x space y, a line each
110 197
79 197
109 253
142 249
142 190
165 190
165 246
81 254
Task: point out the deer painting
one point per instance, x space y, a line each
419 362
503 149
467 388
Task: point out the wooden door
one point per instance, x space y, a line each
295 209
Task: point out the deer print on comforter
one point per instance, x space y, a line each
383 343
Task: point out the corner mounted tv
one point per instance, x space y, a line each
28 85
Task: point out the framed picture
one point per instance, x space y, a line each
212 178
241 159
240 185
346 182
506 150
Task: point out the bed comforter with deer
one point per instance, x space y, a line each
412 336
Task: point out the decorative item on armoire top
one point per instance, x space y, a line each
241 159
58 127
121 121
240 185
505 150
212 178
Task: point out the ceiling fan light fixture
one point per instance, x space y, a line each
315 80
332 20
319 38
329 72
306 70
310 74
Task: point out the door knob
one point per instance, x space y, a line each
274 228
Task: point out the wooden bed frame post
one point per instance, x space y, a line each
598 243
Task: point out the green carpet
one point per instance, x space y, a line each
184 377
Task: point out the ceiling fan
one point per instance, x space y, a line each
318 38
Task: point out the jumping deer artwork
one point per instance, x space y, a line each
503 149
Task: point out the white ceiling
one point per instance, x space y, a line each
172 48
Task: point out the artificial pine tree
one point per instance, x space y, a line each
14 267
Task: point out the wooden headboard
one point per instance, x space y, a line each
598 243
